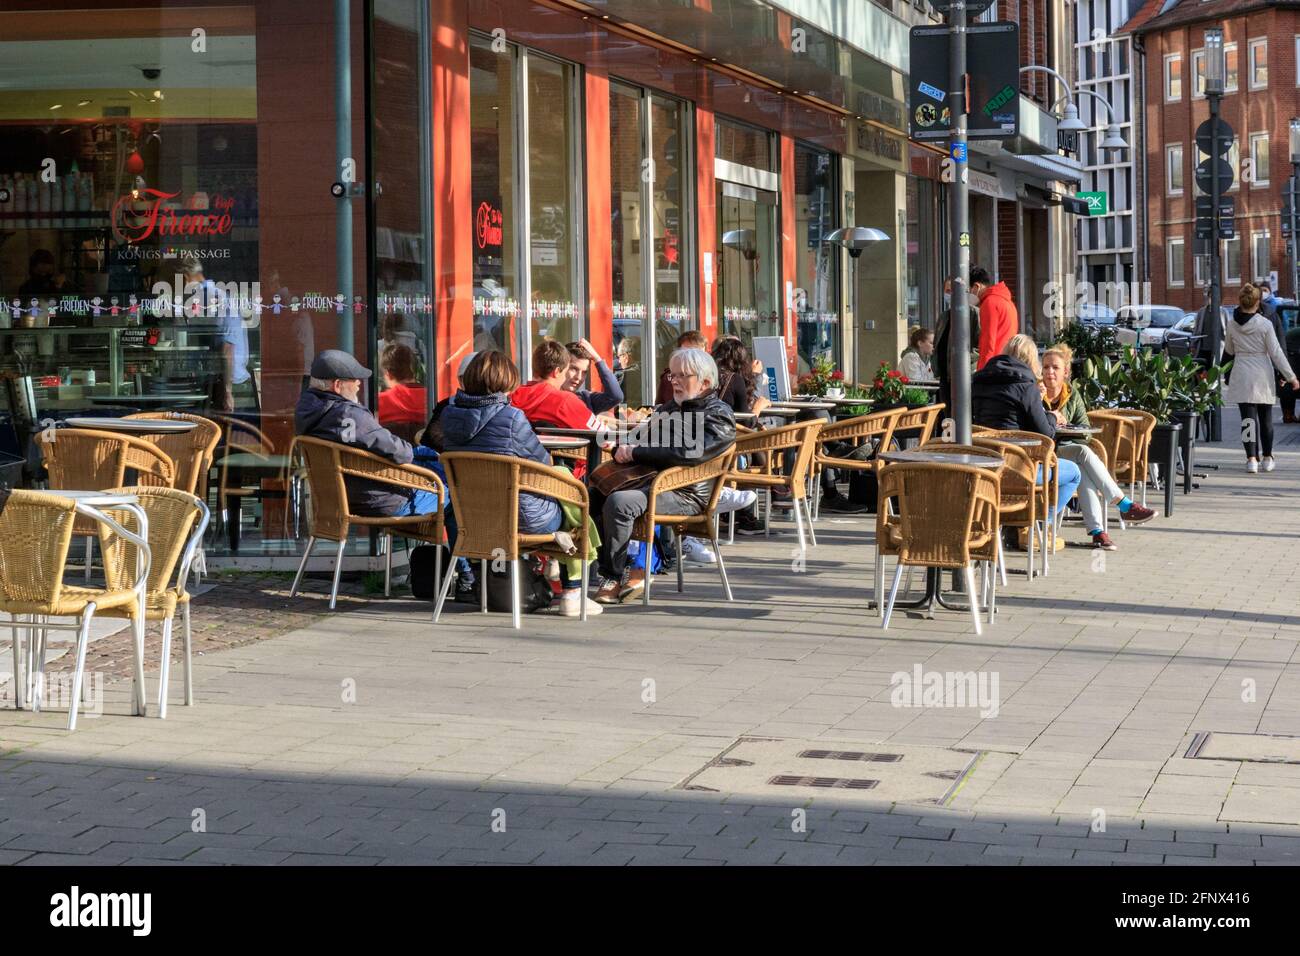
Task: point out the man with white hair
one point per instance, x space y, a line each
710 432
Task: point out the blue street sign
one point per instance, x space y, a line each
959 152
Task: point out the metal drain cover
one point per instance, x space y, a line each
754 766
1250 748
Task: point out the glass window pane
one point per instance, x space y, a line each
492 184
671 172
815 293
627 222
553 206
745 145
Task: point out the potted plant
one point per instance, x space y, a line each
889 389
820 377
1087 343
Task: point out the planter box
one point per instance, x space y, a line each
1164 455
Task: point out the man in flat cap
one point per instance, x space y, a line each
329 409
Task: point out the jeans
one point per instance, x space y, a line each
617 514
1067 480
1096 486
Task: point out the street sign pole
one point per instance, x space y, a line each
1295 248
1216 272
959 229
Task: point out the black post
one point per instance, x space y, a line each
1216 270
959 229
1295 258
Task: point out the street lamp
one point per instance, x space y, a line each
1216 67
855 239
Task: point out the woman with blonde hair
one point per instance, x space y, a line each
1251 342
1096 486
1005 394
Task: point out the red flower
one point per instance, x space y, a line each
903 379
837 374
879 383
895 374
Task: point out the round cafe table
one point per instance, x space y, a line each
1084 433
562 441
136 426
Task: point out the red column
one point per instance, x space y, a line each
453 215
788 268
600 263
706 216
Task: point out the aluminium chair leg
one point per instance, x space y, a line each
483 583
338 571
38 691
798 524
1002 559
388 565
302 566
767 514
680 582
189 655
993 593
807 510
141 693
648 552
164 671
722 570
586 580
444 588
515 599
974 601
90 547
879 592
83 638
893 593
19 673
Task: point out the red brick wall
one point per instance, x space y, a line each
1247 111
1007 271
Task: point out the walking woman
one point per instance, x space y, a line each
1253 347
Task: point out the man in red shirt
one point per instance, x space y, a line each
544 400
999 320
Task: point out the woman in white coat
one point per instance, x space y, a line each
1255 351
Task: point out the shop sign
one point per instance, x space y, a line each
993 78
138 337
875 142
1096 202
882 109
132 224
488 225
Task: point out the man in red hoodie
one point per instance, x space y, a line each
999 320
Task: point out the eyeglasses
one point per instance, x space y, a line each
681 376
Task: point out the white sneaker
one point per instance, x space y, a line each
1252 466
570 604
1268 462
733 499
697 552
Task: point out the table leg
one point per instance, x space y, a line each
1189 447
234 508
593 455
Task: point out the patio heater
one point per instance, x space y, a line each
855 239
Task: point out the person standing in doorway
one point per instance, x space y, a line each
1255 351
999 320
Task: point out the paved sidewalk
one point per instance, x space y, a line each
370 736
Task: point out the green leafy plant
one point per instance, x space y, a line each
916 396
820 377
856 391
1152 382
1089 342
888 387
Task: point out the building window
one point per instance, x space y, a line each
1259 159
816 263
1201 270
1198 74
1174 254
1173 77
1230 68
1260 263
1234 160
1174 169
1258 64
1232 261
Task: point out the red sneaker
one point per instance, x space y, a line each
1137 514
1101 541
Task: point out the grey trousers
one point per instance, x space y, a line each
1096 486
618 513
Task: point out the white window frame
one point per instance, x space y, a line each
1256 44
1200 270
1251 140
1179 243
1198 76
1223 253
1235 86
1170 58
1255 271
1234 160
1169 167
1297 59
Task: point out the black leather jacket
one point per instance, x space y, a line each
698 430
1004 394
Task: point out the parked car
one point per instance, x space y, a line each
1146 325
1094 313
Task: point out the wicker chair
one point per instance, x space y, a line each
1043 455
1020 493
947 517
800 438
876 428
177 520
247 458
86 459
331 517
917 423
1121 441
1138 466
36 531
703 525
485 493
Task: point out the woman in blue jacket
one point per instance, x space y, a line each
480 418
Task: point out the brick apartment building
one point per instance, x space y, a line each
1262 94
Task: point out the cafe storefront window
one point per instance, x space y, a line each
183 224
816 291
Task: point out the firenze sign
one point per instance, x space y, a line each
139 215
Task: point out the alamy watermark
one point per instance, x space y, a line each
922 688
